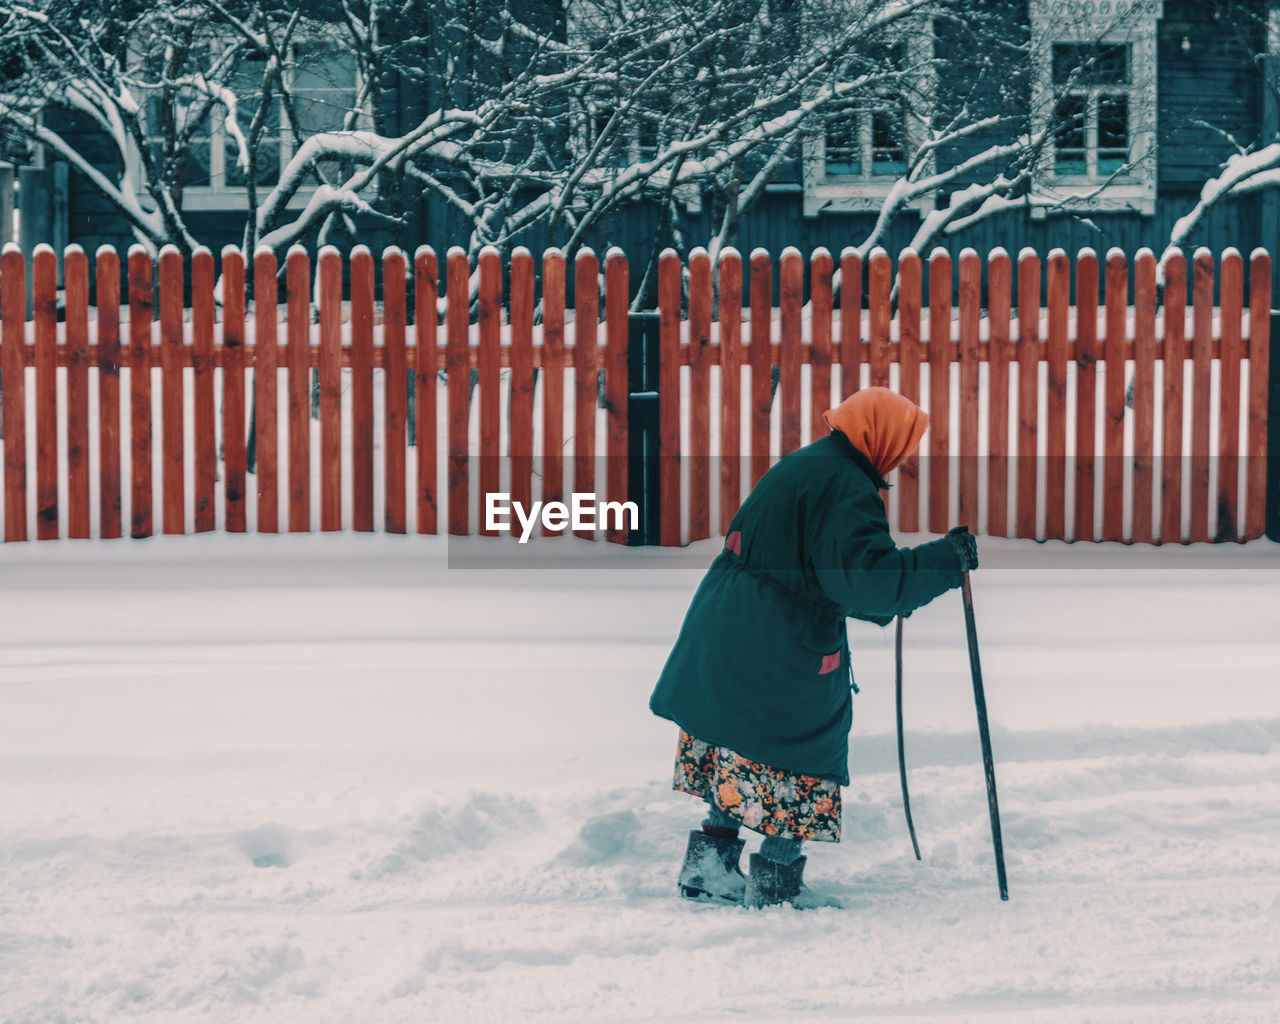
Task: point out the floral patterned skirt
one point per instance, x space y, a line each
771 801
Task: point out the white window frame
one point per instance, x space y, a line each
1092 96
826 192
1132 23
218 195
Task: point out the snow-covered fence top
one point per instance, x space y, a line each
473 394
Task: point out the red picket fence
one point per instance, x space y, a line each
1064 468
1138 467
196 356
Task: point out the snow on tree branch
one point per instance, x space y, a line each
1243 172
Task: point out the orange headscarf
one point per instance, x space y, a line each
882 424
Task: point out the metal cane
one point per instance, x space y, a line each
984 735
902 758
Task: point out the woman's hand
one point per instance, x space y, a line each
966 546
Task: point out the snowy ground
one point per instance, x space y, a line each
325 779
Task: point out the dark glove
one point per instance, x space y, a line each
878 620
966 546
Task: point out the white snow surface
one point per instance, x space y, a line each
331 778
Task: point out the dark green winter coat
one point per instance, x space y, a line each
761 665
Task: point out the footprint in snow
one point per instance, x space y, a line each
269 846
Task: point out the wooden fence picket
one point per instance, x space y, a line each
791 301
1113 462
110 357
939 391
172 403
969 397
76 277
520 414
669 303
1144 387
553 305
426 354
850 323
266 388
488 371
909 284
999 304
1173 361
820 352
234 455
204 411
880 315
330 270
13 391
699 404
616 385
1028 354
362 289
1259 382
395 386
140 510
761 357
458 375
1230 299
586 315
298 381
44 302
1087 355
1056 351
729 276
1201 382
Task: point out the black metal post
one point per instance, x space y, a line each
251 447
642 424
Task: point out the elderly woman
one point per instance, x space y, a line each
759 680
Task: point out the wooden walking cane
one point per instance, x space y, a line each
902 757
984 735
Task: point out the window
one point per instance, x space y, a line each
888 142
195 167
866 142
643 131
1091 139
323 86
1095 89
246 82
842 148
853 161
635 139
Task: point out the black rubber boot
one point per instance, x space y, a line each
710 873
771 883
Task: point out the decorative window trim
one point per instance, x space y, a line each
825 192
1131 22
